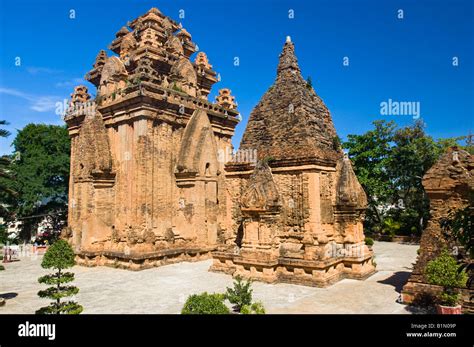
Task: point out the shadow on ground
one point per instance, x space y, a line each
398 280
8 296
420 309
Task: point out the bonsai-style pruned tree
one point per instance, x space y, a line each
445 271
241 294
59 256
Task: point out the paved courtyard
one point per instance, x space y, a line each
165 289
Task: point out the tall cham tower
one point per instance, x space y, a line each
146 186
295 214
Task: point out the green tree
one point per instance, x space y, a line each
59 256
462 142
5 236
412 154
390 163
370 153
6 178
241 294
459 225
41 175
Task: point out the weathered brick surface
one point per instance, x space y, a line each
296 214
448 185
145 180
149 179
290 121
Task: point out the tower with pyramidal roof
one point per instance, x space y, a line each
296 211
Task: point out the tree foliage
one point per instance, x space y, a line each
390 163
370 155
6 178
41 171
412 154
255 308
59 256
459 225
241 294
205 304
445 271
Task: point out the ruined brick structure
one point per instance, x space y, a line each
297 213
146 186
150 184
448 185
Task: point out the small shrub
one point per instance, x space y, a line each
336 142
445 271
241 294
59 256
268 159
369 241
205 304
255 308
2 267
177 88
391 227
448 299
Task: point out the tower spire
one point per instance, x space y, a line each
287 57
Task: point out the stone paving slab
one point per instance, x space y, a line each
165 289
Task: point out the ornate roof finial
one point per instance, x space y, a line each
287 57
80 95
201 60
100 59
226 100
79 98
122 32
154 10
184 34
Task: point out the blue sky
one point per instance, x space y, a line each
409 59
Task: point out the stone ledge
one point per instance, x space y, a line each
143 260
301 272
414 291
